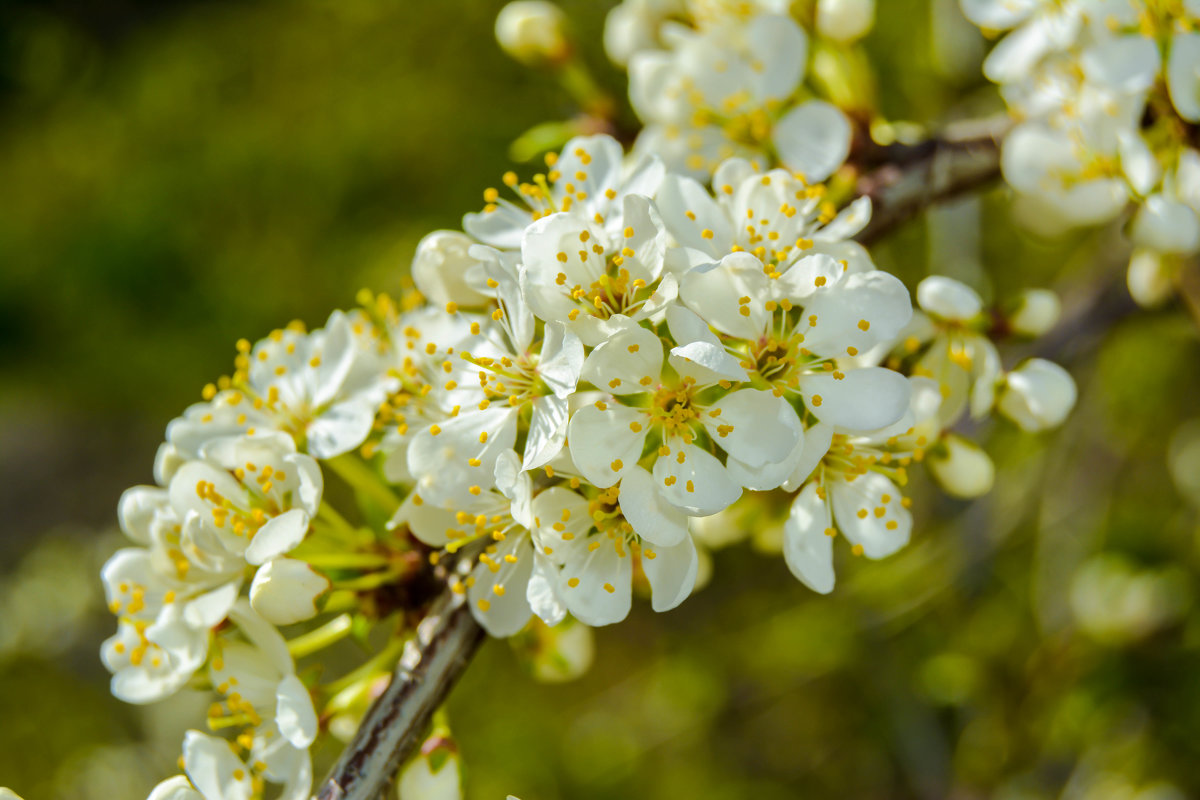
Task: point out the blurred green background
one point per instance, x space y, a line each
177 175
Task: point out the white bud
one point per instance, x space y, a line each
1037 312
961 467
1168 226
1149 278
8 794
948 298
845 20
531 31
167 461
177 788
285 590
562 652
1037 395
440 267
432 775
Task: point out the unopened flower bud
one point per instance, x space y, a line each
433 774
961 467
1149 278
845 20
555 654
8 794
285 591
1168 226
1037 312
531 31
948 298
1037 395
440 267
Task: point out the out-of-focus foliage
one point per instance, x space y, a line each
180 176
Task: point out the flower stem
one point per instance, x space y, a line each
380 661
346 560
372 580
363 479
332 631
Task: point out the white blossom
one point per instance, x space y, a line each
1037 395
855 490
590 175
532 31
722 90
845 20
961 467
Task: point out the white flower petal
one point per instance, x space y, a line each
442 461
715 291
948 298
1038 395
754 426
542 592
498 591
502 227
861 311
211 765
882 502
1166 225
547 431
267 641
961 467
284 591
652 517
1122 63
864 400
998 15
699 485
209 609
278 536
1138 161
848 223
813 139
1183 75
807 546
595 583
1016 54
137 509
339 429
294 713
621 364
817 440
177 788
602 443
688 210
706 363
671 572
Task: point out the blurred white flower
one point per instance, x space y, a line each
531 31
1037 395
845 20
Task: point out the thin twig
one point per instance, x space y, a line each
446 640
912 177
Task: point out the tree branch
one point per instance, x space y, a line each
445 642
909 178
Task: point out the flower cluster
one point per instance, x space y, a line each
609 352
1108 97
713 80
